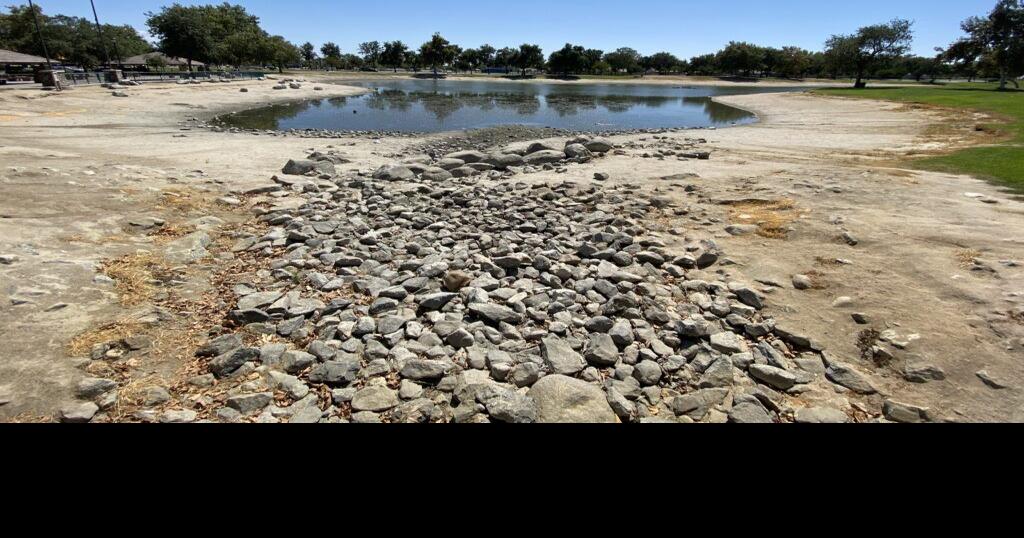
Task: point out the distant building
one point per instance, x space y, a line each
142 61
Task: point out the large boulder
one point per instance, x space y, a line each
599 145
467 156
545 157
503 161
536 147
564 400
434 173
578 151
302 167
394 173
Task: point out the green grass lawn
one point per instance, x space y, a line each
1002 163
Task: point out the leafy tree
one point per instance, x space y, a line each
371 52
505 58
156 63
592 59
394 54
282 53
72 40
332 55
486 55
624 59
438 52
870 48
528 57
570 59
741 58
997 39
704 65
223 33
308 54
793 62
664 62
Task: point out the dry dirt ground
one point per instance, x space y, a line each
931 269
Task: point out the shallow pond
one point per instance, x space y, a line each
422 106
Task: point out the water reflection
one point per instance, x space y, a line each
427 106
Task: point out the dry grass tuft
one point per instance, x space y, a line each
135 276
188 201
170 232
771 217
966 257
81 345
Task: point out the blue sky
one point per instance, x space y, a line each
683 27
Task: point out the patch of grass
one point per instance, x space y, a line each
772 217
1003 162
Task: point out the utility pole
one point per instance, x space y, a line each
99 29
39 30
49 77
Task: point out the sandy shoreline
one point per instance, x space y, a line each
78 166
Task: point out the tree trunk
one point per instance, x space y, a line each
1002 78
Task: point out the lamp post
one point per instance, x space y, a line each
99 29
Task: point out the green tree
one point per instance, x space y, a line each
740 58
870 48
394 54
569 59
624 59
505 58
665 62
793 62
332 55
997 39
486 55
704 65
528 57
371 52
308 54
437 52
182 32
71 40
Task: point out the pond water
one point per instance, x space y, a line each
422 106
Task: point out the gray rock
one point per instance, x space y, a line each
248 404
846 376
648 373
544 157
425 370
228 363
560 357
821 415
774 377
905 413
749 412
562 399
602 351
92 387
335 373
79 413
375 399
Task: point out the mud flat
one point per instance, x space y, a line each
124 233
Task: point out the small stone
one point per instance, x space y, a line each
802 282
79 413
774 377
375 399
904 413
821 415
992 382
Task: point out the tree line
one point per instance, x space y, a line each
227 34
72 40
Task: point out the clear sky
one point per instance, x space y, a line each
683 27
